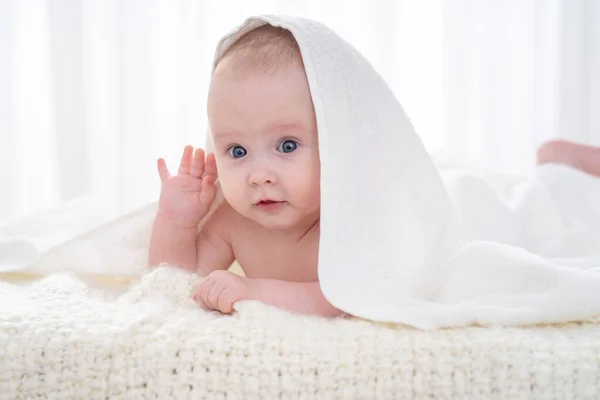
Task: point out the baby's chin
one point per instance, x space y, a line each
284 219
281 221
285 224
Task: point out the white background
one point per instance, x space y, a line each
93 91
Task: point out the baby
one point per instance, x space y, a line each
266 156
265 139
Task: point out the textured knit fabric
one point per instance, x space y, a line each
61 339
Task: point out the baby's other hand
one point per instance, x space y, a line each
220 290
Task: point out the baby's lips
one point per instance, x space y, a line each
267 200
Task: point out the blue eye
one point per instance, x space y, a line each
287 146
237 151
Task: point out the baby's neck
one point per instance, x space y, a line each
312 226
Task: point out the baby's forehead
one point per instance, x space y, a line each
274 129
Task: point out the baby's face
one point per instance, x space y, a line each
265 143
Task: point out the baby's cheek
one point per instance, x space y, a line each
235 194
309 184
231 190
225 179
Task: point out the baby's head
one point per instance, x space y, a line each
264 130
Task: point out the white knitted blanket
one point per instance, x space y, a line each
62 339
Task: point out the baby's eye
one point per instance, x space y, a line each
287 146
237 151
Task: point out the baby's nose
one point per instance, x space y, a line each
262 177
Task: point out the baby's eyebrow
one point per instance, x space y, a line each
285 126
277 128
222 136
274 128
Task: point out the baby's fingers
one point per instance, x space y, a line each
214 294
186 160
209 190
197 167
163 171
210 168
207 287
226 300
199 295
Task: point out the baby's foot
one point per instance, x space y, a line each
579 156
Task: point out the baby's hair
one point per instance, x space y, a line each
265 49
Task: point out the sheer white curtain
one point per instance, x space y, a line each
516 73
93 91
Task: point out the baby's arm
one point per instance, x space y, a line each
173 244
185 200
202 252
220 290
299 297
213 246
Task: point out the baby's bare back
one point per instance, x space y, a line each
269 254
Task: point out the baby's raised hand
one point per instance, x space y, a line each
220 290
185 198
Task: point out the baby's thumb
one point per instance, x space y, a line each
163 171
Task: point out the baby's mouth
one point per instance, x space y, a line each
269 205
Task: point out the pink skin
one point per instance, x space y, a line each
583 157
186 197
220 290
184 200
270 219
